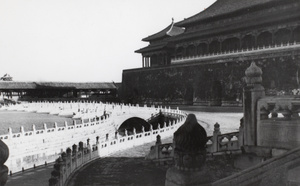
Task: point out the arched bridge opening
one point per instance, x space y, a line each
140 125
133 123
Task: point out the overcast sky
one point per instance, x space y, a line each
81 40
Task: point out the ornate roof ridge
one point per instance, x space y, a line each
175 30
222 7
170 30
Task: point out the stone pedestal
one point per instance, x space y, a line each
252 92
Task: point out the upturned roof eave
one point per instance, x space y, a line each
158 35
151 48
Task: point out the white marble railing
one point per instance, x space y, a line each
236 52
217 143
35 147
70 162
128 141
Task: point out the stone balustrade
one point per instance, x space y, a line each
278 122
248 51
217 143
280 170
228 142
69 162
161 152
128 141
55 128
35 147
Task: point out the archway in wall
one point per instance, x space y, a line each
264 39
231 44
282 36
134 122
248 41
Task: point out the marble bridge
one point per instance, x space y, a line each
94 123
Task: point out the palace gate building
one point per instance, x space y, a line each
201 60
58 91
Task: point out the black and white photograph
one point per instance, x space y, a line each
149 93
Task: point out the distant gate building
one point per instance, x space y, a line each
58 91
201 60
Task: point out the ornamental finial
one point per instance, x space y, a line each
253 74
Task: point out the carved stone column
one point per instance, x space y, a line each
189 155
252 92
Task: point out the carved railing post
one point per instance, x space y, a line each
69 157
158 140
74 151
116 135
241 132
143 129
10 132
157 144
215 141
252 92
97 140
33 129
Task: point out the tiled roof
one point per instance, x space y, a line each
221 7
170 30
158 34
4 85
153 47
174 30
